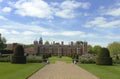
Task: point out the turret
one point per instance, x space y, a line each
85 47
41 41
35 42
71 43
62 43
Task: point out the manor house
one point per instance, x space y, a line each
60 49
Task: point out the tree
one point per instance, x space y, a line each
114 48
78 42
2 43
29 46
103 57
96 49
90 49
47 43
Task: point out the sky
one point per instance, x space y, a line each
94 21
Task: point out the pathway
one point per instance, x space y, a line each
62 70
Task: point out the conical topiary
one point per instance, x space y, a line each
18 56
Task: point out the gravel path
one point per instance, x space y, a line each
62 70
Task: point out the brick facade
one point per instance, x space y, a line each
60 49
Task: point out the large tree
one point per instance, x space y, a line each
90 49
47 43
114 48
2 43
96 49
78 42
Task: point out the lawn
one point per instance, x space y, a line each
18 71
63 58
103 72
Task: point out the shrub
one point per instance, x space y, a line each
103 57
116 59
87 59
18 56
34 59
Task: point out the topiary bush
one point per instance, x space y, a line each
103 57
18 55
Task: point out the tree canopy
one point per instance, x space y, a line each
90 49
78 42
114 48
2 43
47 43
96 49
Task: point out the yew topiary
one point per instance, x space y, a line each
18 56
103 57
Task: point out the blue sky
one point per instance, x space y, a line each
94 21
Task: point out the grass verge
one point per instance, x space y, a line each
18 71
64 58
103 72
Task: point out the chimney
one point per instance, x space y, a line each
71 43
62 43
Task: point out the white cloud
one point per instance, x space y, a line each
28 33
23 27
86 14
4 31
72 33
1 0
33 8
24 39
67 9
2 18
15 32
102 22
101 43
65 14
6 9
113 12
42 9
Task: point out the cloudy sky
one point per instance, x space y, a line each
95 21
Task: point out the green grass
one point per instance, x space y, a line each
64 58
103 72
18 71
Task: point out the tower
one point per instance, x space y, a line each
84 47
40 46
36 46
40 41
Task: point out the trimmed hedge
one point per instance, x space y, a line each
34 59
4 59
104 57
104 61
18 56
6 51
18 59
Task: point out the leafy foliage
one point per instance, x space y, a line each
90 49
114 48
2 43
87 59
96 49
47 43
